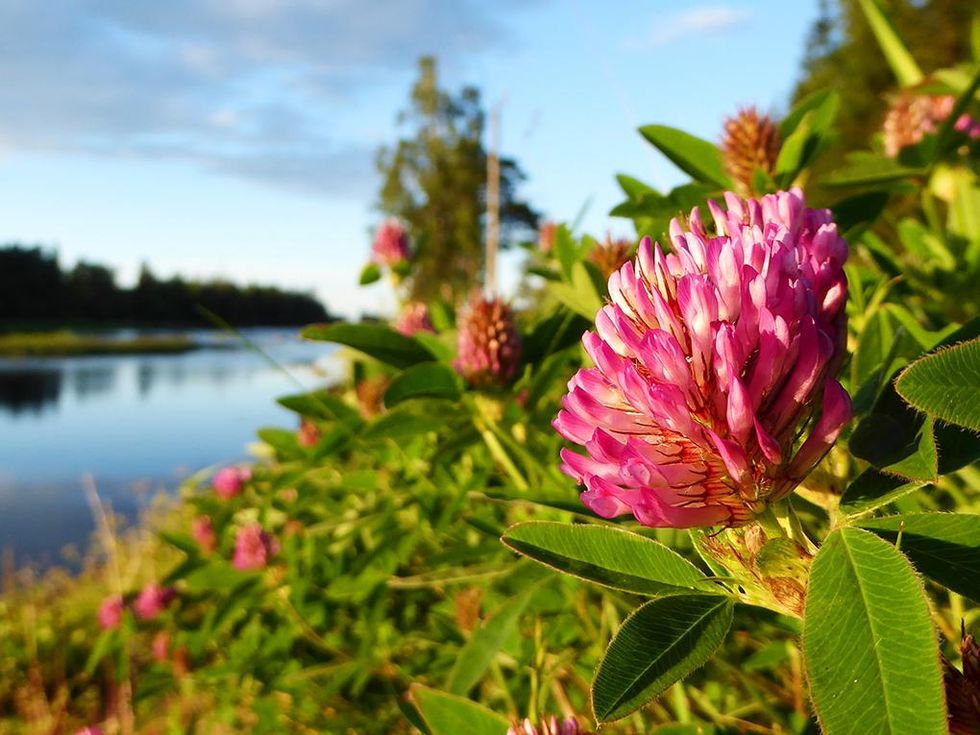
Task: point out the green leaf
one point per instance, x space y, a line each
369 274
321 404
553 334
443 346
633 188
484 644
927 339
406 422
793 118
567 251
693 155
903 64
873 489
659 644
854 214
868 169
924 244
943 546
104 645
447 714
605 555
871 652
283 441
806 140
896 440
374 340
180 541
946 384
426 380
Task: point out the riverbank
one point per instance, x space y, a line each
70 344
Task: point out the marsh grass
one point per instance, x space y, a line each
66 344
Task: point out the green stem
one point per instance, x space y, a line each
500 454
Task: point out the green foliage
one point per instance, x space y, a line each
870 647
946 384
906 70
387 600
608 556
660 643
943 546
446 714
374 340
425 380
692 155
843 54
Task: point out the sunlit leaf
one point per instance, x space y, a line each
869 644
659 644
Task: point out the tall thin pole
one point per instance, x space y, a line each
493 204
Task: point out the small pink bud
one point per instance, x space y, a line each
548 726
203 531
161 646
546 237
110 612
229 481
414 319
390 246
253 548
153 600
308 434
488 350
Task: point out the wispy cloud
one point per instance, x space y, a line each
700 20
253 88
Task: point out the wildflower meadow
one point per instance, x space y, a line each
717 478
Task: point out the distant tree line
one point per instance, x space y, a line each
34 288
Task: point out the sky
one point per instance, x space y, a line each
237 138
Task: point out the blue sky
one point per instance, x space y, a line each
237 137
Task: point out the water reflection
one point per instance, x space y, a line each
27 390
131 420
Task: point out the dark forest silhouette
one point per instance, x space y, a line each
34 288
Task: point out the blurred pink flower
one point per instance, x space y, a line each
488 345
709 363
549 726
414 319
546 237
253 548
90 730
110 612
912 116
228 482
153 600
203 531
161 646
308 434
390 244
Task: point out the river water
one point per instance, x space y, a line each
137 425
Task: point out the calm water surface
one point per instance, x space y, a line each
137 424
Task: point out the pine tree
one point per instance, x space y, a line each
434 181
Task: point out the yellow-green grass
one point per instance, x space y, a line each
65 343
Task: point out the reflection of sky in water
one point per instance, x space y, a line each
132 422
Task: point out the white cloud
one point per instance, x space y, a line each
252 88
685 23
